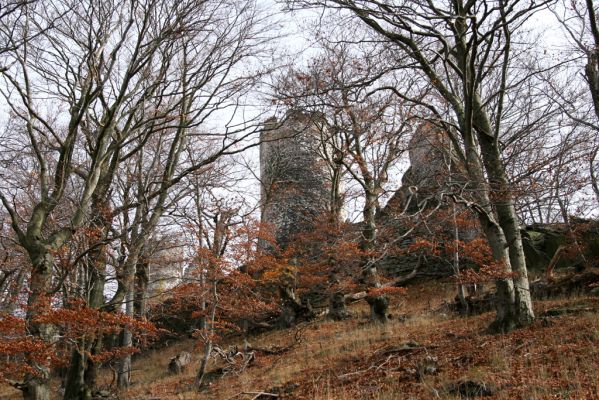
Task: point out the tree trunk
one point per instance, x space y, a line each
456 260
75 387
36 389
336 198
96 300
378 308
141 288
508 220
208 344
464 309
378 304
592 74
83 372
204 363
511 228
369 215
292 308
37 385
124 373
91 372
81 379
505 319
337 308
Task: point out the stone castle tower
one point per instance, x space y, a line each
295 180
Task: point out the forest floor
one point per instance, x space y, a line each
424 352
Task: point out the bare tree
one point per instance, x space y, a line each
579 98
365 129
89 94
36 65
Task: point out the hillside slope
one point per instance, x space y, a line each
425 352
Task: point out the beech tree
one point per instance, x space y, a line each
85 92
108 71
220 288
199 93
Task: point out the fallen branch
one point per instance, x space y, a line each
399 350
345 377
556 312
352 297
275 350
256 395
375 367
553 262
237 361
260 394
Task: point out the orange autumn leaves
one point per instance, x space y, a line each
71 324
476 258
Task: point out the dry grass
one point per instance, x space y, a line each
556 358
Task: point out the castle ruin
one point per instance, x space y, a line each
295 181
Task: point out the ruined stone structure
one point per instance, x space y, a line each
295 180
433 168
296 193
165 269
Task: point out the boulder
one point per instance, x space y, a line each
179 363
470 389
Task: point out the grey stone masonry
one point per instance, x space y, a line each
295 179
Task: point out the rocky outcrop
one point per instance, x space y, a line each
578 245
434 168
295 189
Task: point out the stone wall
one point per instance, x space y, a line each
295 179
